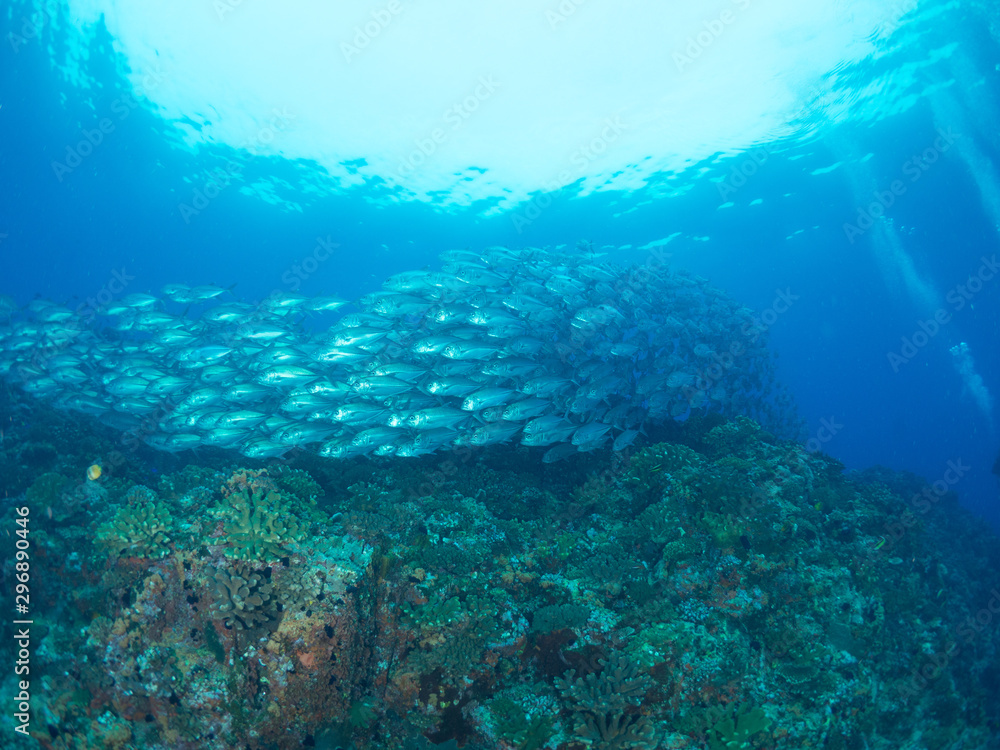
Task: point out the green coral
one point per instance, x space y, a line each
733 732
617 732
620 683
659 523
608 567
654 644
564 544
455 632
362 713
454 654
728 486
213 644
515 725
258 525
139 494
604 705
191 478
139 530
803 663
724 533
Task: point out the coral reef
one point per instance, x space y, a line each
722 590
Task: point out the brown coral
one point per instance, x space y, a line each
243 598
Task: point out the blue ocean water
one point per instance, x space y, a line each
831 166
851 231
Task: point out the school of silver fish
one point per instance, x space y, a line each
549 347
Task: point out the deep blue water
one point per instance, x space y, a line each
65 234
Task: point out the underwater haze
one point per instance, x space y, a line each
546 374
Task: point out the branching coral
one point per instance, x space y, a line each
607 566
362 713
616 731
620 683
603 705
452 633
432 615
